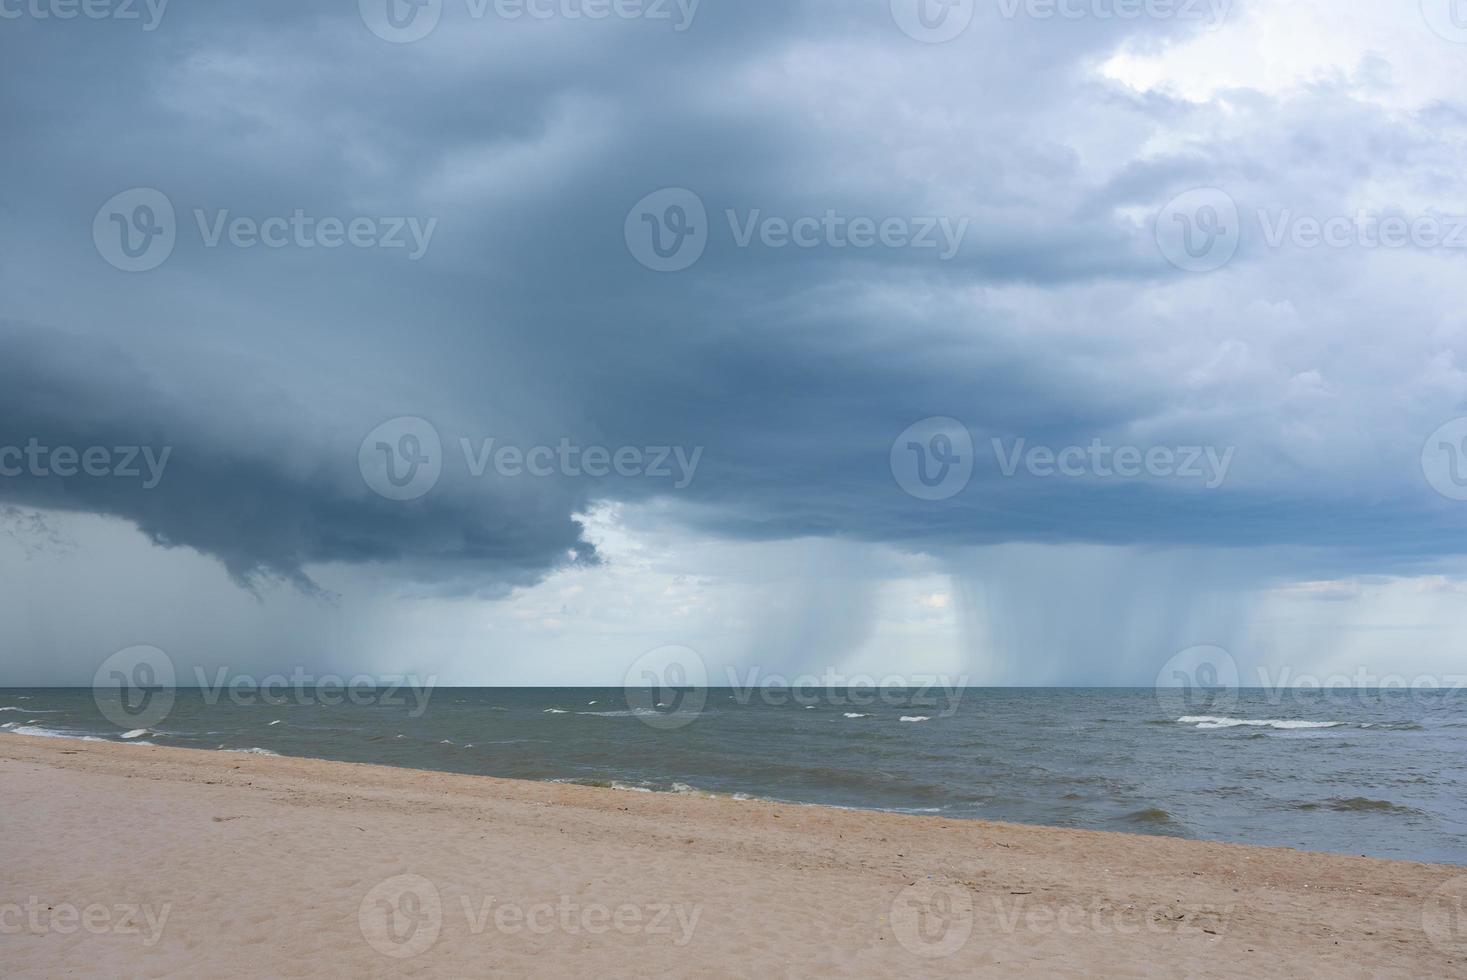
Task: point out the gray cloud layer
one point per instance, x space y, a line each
528 320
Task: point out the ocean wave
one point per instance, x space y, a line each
136 733
630 713
916 718
857 714
1215 721
553 711
253 750
1359 804
33 711
40 732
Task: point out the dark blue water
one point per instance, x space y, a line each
1358 772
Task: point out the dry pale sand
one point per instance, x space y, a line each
120 860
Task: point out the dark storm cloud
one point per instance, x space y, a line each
249 497
527 319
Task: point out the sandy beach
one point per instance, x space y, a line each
123 860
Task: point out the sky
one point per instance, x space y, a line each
1020 341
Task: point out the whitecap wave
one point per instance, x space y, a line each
253 750
552 711
136 733
1215 721
632 713
51 733
916 717
857 714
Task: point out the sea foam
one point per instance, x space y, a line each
1214 721
50 733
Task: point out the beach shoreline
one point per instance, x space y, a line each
146 860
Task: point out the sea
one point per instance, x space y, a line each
1354 771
